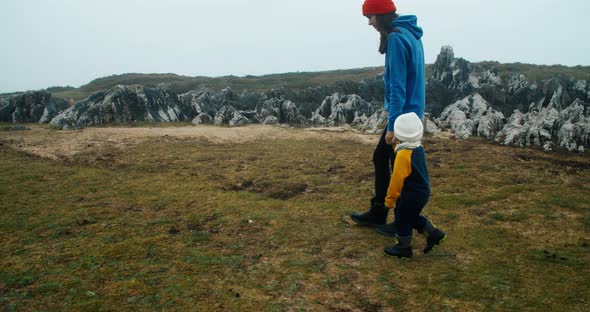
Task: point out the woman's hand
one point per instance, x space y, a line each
389 137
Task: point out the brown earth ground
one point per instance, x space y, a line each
44 142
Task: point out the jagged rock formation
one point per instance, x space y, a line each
545 114
200 102
467 98
52 109
557 115
375 123
124 104
573 127
202 119
278 111
228 115
337 110
31 106
430 127
270 120
542 125
455 78
472 115
6 110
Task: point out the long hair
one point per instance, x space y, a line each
384 23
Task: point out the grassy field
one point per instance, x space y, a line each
176 223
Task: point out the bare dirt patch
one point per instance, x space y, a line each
282 190
59 144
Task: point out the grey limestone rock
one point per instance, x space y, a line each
202 118
555 110
124 104
6 110
337 110
529 129
31 106
375 123
52 109
199 102
472 115
270 120
284 111
547 126
430 127
228 115
582 88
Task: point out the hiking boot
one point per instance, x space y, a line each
388 230
376 215
402 250
434 238
399 252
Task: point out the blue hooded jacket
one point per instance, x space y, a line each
405 88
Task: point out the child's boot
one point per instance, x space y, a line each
388 230
403 248
376 215
434 236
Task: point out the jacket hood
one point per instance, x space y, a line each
410 23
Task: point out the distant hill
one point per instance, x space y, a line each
180 84
5 95
538 72
295 81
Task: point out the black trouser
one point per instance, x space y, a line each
407 213
383 158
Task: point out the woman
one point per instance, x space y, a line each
404 93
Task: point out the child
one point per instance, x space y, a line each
409 189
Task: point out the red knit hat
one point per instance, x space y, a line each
378 7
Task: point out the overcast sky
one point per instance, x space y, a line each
71 42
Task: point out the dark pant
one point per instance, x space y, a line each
407 213
383 158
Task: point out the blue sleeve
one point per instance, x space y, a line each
398 69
